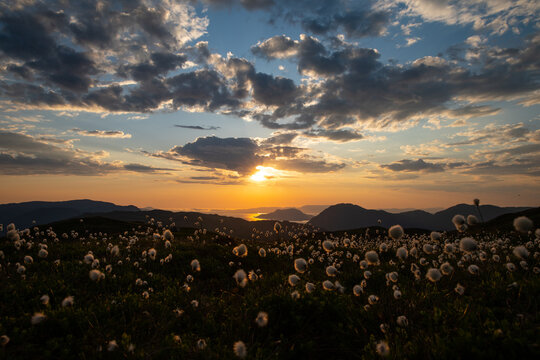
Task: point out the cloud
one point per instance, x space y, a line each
237 154
131 59
341 135
102 133
23 155
198 127
419 165
495 16
356 19
144 168
494 134
243 155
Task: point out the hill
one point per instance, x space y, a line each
291 214
350 216
182 219
43 212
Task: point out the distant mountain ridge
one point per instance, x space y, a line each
350 216
291 214
44 212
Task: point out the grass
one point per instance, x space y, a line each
490 320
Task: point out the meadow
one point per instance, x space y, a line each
96 288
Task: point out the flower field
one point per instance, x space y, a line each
92 288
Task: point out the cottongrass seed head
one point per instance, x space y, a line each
241 278
239 349
300 265
382 348
262 319
395 232
523 224
433 275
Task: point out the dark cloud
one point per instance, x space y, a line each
243 155
237 154
144 168
356 24
67 54
204 88
197 127
341 135
270 90
419 165
306 165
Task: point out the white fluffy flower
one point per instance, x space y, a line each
382 348
523 224
240 250
241 278
42 253
96 275
435 236
372 257
402 321
300 265
262 252
357 290
310 287
446 268
521 252
328 285
396 232
294 279
195 265
239 349
168 235
402 253
262 319
331 271
37 318
473 269
433 275
468 244
68 301
328 245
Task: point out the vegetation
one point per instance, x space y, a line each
137 293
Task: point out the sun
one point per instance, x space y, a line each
263 173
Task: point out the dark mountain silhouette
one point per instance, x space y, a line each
212 222
349 216
291 214
44 212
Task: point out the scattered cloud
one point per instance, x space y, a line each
198 127
102 133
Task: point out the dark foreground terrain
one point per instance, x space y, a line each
102 288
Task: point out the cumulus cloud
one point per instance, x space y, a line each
69 57
102 133
243 155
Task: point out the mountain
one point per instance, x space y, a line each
350 216
240 227
44 212
291 214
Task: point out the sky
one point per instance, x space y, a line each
230 104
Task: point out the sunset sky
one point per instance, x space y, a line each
221 104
